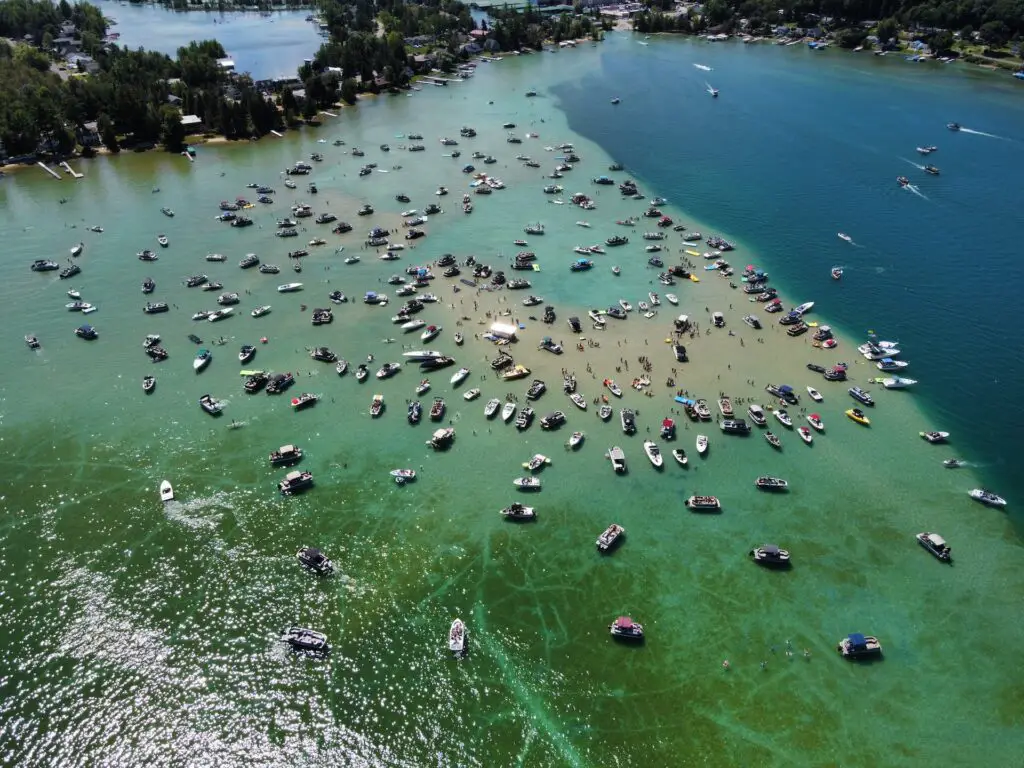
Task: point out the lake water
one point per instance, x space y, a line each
139 633
265 46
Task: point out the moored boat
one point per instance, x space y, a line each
285 455
703 503
770 555
988 498
624 628
856 414
769 483
934 437
936 545
702 444
202 359
773 440
805 435
519 512
305 639
611 537
315 560
457 637
654 454
858 646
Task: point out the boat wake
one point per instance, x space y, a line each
913 188
705 67
979 133
911 162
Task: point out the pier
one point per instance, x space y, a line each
71 171
279 135
329 114
49 170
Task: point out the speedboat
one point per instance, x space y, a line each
888 364
403 476
859 646
815 421
261 310
304 400
472 394
680 456
579 401
702 444
837 273
613 387
903 181
166 491
624 628
604 412
202 359
703 503
537 462
672 299
953 463
856 414
654 454
289 287
508 411
860 395
315 560
304 639
805 435
804 308
773 440
953 126
459 376
210 405
936 545
935 437
770 555
815 394
430 332
377 406
246 353
575 440
457 637
528 483
492 407
898 382
518 511
783 417
768 483
987 497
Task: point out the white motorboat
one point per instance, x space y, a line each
508 411
527 483
672 299
166 491
261 311
472 394
815 394
654 454
459 376
815 421
220 314
987 497
935 437
575 440
783 417
805 434
412 325
421 354
519 512
537 461
626 306
201 360
578 400
702 444
804 308
680 456
492 407
289 287
457 637
430 332
898 382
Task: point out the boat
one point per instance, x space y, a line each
44 265
734 426
654 454
703 503
148 384
537 462
856 414
459 376
860 395
783 417
86 332
403 476
377 406
69 271
414 412
220 314
437 409
769 483
518 371
166 491
702 444
618 459
458 338
32 342
624 628
305 639
935 437
887 364
508 411
936 545
953 126
211 406
529 483
285 455
304 400
626 306
430 332
814 394
315 560
492 407
472 394
388 370
261 311
76 250
805 434
672 299
954 463
773 440
725 406
289 287
804 308
162 239
770 555
246 353
837 273
897 382
931 170
518 512
627 419
611 537
903 181
987 498
202 359
858 646
757 415
613 387
457 637
815 421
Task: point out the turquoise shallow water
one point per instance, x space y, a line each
138 633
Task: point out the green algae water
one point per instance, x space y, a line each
135 632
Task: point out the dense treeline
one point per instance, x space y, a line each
997 21
529 28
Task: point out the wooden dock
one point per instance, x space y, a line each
49 170
71 171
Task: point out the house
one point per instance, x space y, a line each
86 64
88 134
471 48
174 101
65 45
192 122
226 64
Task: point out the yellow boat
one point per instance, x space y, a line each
695 278
858 415
693 253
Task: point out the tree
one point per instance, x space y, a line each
967 34
172 132
288 103
887 30
105 128
995 33
349 89
941 42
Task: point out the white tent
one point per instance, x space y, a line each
504 330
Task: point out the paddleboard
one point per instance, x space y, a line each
694 253
695 278
250 373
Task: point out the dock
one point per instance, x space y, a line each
329 114
279 135
71 171
433 80
49 170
